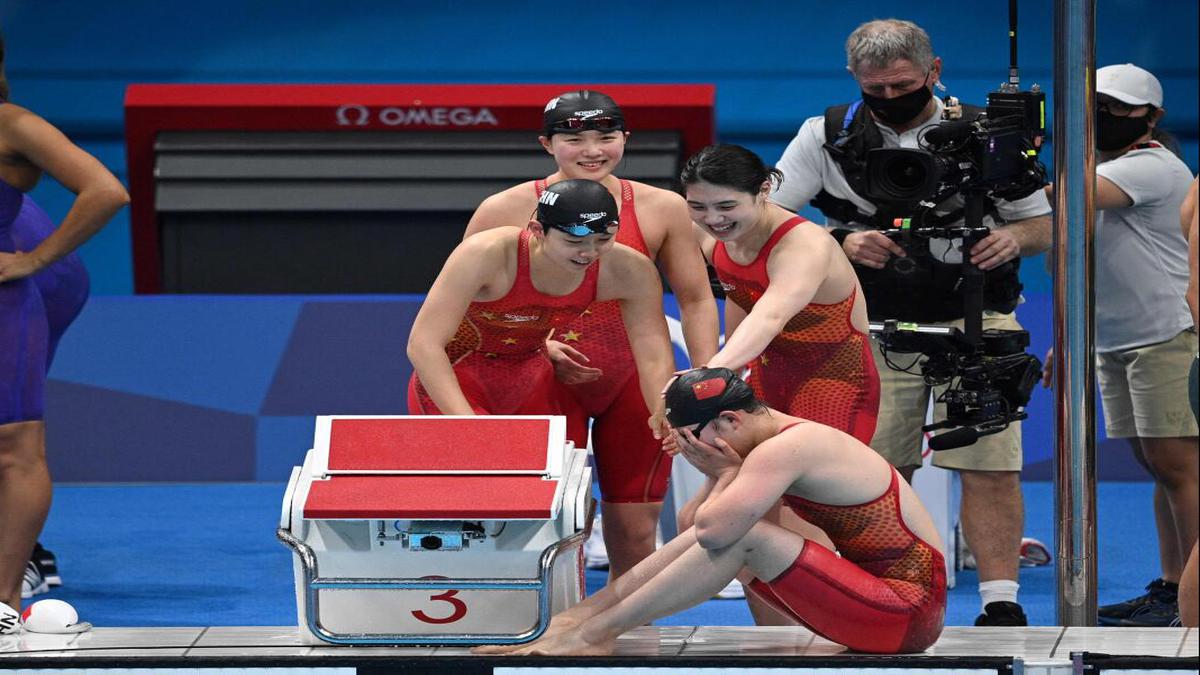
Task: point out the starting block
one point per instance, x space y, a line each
436 530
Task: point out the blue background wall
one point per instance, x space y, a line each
774 63
227 386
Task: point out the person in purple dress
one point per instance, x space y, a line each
29 147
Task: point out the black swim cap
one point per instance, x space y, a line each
583 110
578 207
697 397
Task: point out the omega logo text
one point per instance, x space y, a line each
354 114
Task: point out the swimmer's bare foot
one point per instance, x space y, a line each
567 644
559 624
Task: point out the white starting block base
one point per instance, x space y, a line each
436 530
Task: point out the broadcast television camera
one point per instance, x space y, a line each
989 375
996 153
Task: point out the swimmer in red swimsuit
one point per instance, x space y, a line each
478 343
585 133
795 313
883 590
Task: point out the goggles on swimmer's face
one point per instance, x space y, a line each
573 125
585 229
700 427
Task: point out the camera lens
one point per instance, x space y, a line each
431 543
904 176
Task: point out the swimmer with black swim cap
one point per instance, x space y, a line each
877 585
478 343
582 110
578 208
698 397
586 134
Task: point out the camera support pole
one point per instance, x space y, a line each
972 276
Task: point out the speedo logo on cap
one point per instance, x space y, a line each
585 114
592 217
709 388
548 198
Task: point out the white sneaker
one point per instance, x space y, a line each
1034 553
10 620
732 591
595 553
33 583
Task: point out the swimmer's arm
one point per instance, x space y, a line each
795 274
683 265
686 517
740 499
462 278
632 279
98 193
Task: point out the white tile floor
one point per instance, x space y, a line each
1036 644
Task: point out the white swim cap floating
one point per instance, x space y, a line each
53 616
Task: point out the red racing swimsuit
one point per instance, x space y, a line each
884 591
820 366
630 464
498 351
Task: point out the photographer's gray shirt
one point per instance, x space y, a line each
1141 255
807 168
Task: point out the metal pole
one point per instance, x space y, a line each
1074 329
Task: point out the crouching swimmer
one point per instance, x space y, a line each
882 591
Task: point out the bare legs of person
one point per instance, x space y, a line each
1175 465
24 502
679 575
630 530
993 518
765 614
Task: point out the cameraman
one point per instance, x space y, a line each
893 63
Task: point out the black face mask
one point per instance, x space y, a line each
1116 133
901 109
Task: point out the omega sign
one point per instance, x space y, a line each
353 114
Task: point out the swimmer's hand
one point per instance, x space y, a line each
713 460
15 266
569 364
658 422
670 445
674 376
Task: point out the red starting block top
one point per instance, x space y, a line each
440 445
431 498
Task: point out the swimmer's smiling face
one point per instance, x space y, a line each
589 154
724 212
